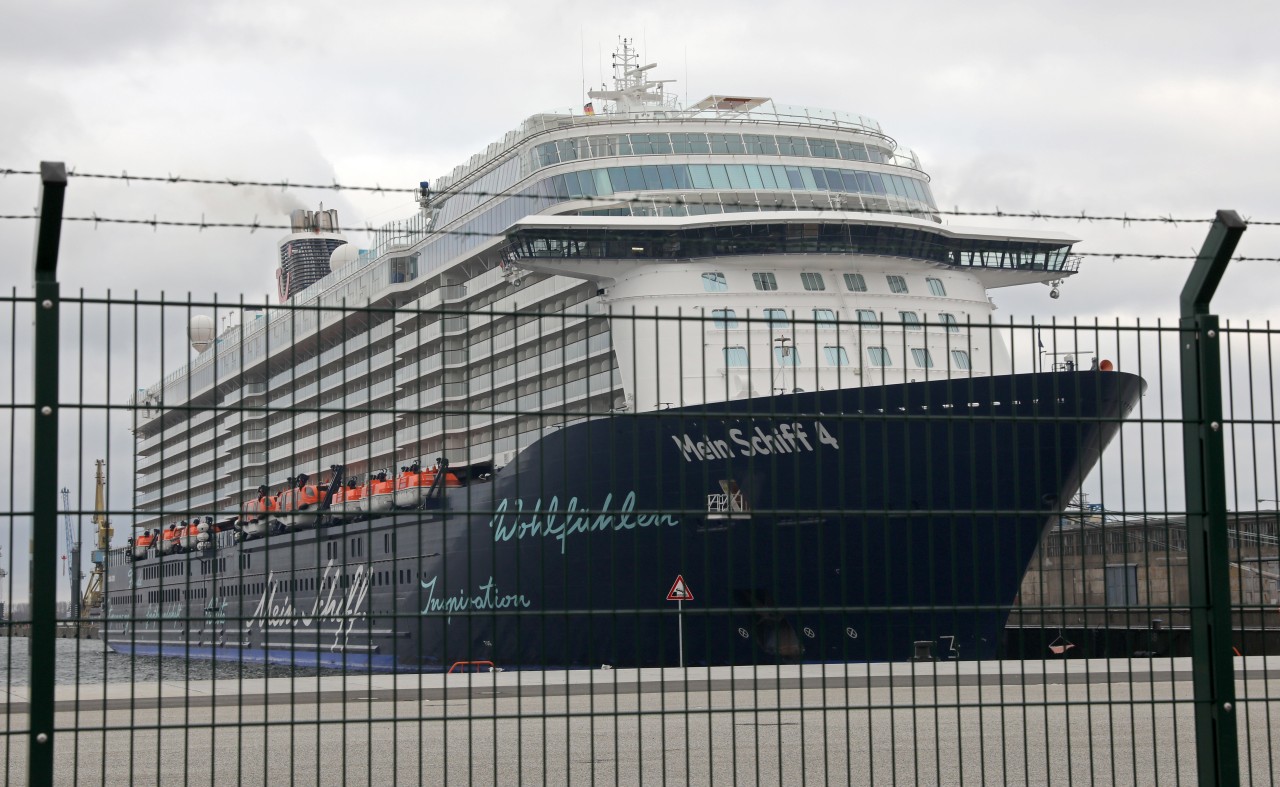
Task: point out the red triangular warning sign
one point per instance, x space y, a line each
680 590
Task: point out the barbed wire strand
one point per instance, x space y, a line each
1035 215
256 225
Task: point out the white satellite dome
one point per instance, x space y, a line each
342 255
200 332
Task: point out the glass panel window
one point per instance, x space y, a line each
690 143
786 355
659 143
719 177
667 175
760 144
867 316
699 175
823 148
792 146
879 356
824 315
735 356
897 283
547 154
640 144
922 358
836 356
765 281
813 281
960 359
753 176
651 179
714 282
949 320
910 320
777 318
864 183
936 286
855 283
724 318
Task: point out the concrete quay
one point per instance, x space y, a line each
1061 722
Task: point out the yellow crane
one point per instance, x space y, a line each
93 591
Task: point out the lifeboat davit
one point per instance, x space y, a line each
258 514
348 501
300 504
142 543
380 495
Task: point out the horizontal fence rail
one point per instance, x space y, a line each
839 525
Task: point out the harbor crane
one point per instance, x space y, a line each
92 600
72 557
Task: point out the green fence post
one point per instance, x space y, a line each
44 474
1213 672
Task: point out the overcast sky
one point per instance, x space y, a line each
1169 108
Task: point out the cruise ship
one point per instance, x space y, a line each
642 385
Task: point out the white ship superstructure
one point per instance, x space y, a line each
805 242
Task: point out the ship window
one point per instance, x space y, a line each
823 148
640 144
922 358
689 143
777 318
836 356
824 315
960 359
949 320
765 281
867 316
813 281
547 154
699 175
910 320
897 283
719 177
568 149
854 282
735 356
725 143
724 318
753 176
786 356
792 146
715 282
877 183
667 176
879 356
737 176
635 178
936 287
793 177
651 179
760 144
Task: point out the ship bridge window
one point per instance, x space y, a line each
690 143
949 320
403 269
910 320
760 144
726 143
936 286
786 356
922 358
764 281
836 355
715 282
736 356
960 359
824 315
793 146
823 148
813 281
867 316
854 282
777 318
879 356
896 283
724 318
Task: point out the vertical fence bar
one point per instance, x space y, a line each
1213 672
44 476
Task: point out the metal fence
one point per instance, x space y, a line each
509 536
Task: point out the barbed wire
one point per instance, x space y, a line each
1035 215
256 225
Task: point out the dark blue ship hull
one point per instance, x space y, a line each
828 526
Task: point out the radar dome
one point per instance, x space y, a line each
342 255
200 332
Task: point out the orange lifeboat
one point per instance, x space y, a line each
380 495
169 539
300 504
415 485
142 543
258 514
348 501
